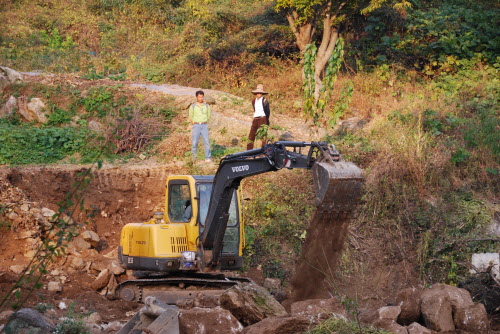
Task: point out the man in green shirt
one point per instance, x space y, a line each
199 115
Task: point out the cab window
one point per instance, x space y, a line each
179 202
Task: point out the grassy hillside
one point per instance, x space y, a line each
425 100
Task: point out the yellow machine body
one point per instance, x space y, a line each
169 242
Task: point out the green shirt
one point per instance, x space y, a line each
199 114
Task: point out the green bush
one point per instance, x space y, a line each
71 326
31 145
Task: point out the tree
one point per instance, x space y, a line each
308 17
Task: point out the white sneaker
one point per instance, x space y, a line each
208 160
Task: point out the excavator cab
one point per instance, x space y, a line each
169 242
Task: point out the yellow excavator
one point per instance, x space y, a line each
201 232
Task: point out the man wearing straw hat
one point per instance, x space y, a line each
260 115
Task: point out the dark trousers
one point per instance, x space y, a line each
256 123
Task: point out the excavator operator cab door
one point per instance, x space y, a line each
179 201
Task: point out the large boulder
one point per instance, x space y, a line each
409 299
472 318
250 303
281 325
28 320
437 311
204 321
32 111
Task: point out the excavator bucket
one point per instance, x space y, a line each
337 185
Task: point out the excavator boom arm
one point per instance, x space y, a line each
234 168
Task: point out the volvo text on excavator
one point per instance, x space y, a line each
201 234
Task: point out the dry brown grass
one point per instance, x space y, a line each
175 145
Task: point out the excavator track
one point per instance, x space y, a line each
172 290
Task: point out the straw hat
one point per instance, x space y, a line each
259 89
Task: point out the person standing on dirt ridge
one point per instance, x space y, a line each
261 113
199 115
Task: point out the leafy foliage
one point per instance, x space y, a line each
315 107
433 39
30 145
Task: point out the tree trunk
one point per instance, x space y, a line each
303 33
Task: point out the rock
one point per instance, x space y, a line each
36 107
12 75
351 125
391 325
456 296
9 106
250 303
99 262
30 254
54 286
272 284
200 300
94 318
48 213
25 207
102 280
416 328
112 327
28 320
116 268
17 269
409 300
318 309
76 263
110 287
204 321
281 325
91 237
437 311
389 312
32 111
78 245
472 319
384 314
286 136
24 235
